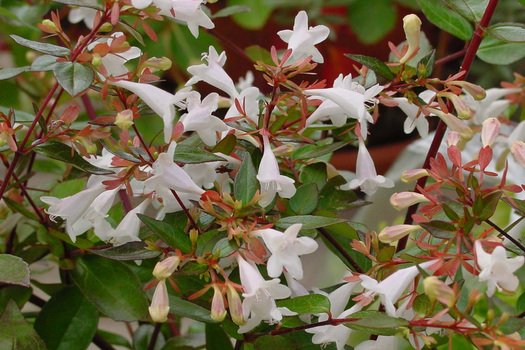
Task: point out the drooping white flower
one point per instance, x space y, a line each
259 297
415 119
160 307
490 106
391 288
114 63
412 28
286 248
213 73
271 180
189 12
200 119
86 14
346 99
161 102
249 101
128 229
497 269
367 179
72 208
340 333
302 40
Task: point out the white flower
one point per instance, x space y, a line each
382 342
391 288
259 297
161 4
200 119
415 119
340 333
85 14
114 63
190 12
248 100
160 307
271 180
166 173
346 99
302 40
367 178
213 73
497 269
72 208
128 229
161 102
286 248
490 106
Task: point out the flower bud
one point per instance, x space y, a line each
490 131
49 26
394 233
96 60
160 308
218 311
161 64
235 305
518 151
106 27
403 200
412 27
476 91
124 119
284 150
413 175
454 124
452 139
460 106
436 289
166 267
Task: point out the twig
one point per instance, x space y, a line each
341 250
154 336
507 236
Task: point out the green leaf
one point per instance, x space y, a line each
188 309
114 339
312 151
332 198
14 270
170 234
193 155
68 321
488 205
376 322
305 199
230 10
20 295
74 77
82 3
425 67
440 229
510 32
19 208
43 63
369 31
511 325
379 67
315 172
274 342
49 49
207 241
520 304
256 17
307 304
216 338
16 333
226 145
127 252
7 73
142 338
308 221
59 151
246 183
471 10
447 19
225 247
112 287
259 54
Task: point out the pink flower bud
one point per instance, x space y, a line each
490 131
518 151
454 124
452 139
403 200
218 311
160 307
235 305
413 175
460 106
394 233
436 289
412 27
124 119
476 91
166 267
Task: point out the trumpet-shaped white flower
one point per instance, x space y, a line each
286 248
128 229
200 119
411 110
346 99
490 106
167 174
497 269
367 178
160 307
302 40
189 12
114 63
259 297
391 288
86 14
383 342
271 180
338 334
142 4
249 101
161 102
213 73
